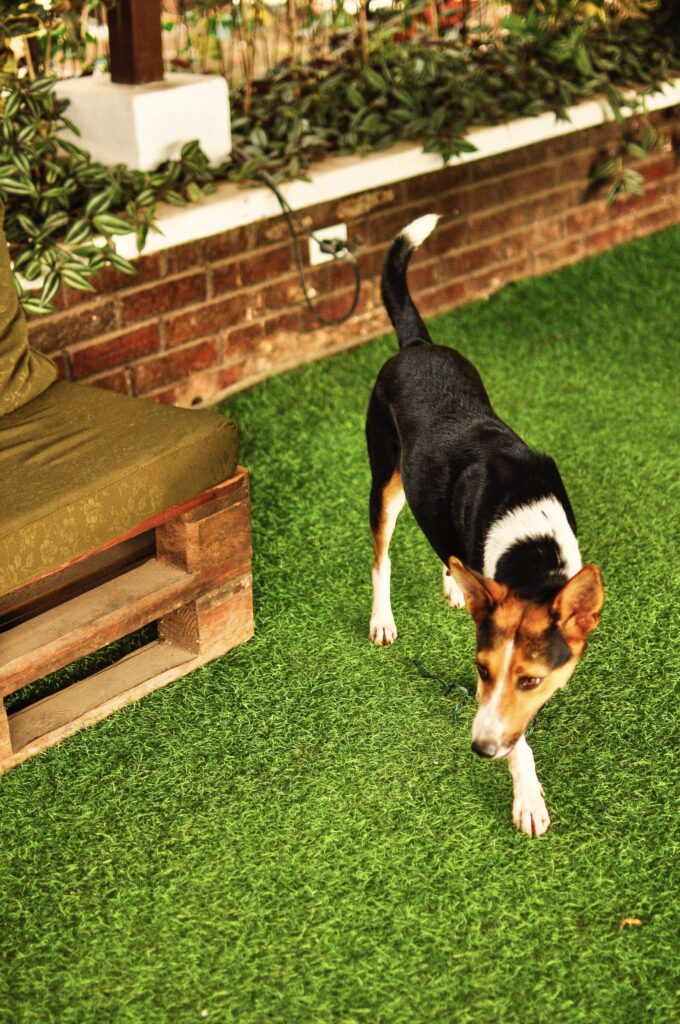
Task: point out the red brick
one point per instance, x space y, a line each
421 277
652 196
229 244
478 197
225 277
166 369
538 179
283 323
589 215
49 334
108 352
526 239
207 319
184 257
117 381
466 261
443 297
262 266
243 339
230 376
661 167
609 236
168 396
330 277
654 220
281 294
493 280
498 222
331 307
550 203
450 234
148 302
553 256
507 163
575 168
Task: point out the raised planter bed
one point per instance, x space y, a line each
217 303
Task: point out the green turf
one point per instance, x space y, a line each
299 832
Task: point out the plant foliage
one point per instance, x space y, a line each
63 209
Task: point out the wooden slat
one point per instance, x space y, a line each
33 598
92 620
52 719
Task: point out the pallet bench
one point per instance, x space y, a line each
188 569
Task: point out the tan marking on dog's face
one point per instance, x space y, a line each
518 644
525 651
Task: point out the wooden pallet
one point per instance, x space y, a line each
188 570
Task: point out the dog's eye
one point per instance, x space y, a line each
484 673
529 682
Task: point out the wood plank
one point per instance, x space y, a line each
5 738
52 719
90 621
36 597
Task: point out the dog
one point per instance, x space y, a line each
496 513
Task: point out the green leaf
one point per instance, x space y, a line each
99 203
77 280
121 264
36 307
50 287
110 225
78 232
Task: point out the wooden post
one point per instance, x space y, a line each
217 534
5 738
135 42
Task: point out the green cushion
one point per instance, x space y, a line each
24 374
80 466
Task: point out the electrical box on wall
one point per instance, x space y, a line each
337 232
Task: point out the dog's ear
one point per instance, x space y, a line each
480 593
578 604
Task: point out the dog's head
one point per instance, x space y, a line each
525 651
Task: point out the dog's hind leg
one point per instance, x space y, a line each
386 502
452 592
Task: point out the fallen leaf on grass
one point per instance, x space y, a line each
629 922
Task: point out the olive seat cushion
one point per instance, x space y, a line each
80 466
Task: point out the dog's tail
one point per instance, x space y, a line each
395 294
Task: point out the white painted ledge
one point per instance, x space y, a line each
232 206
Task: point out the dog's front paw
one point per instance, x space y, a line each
529 812
382 632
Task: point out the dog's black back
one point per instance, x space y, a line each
462 468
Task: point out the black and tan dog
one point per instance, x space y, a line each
497 514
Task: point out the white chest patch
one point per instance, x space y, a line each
536 519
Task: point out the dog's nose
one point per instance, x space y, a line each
484 749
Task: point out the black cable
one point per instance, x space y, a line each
334 247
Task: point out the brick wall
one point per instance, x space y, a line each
217 314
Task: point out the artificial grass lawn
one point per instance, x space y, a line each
299 832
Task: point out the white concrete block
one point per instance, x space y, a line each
144 125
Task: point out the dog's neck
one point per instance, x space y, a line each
533 549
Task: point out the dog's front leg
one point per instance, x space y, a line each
529 812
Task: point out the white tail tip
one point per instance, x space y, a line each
417 231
